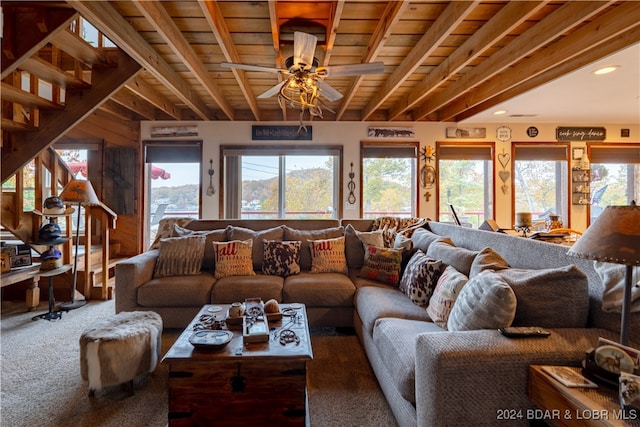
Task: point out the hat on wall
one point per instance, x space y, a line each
53 206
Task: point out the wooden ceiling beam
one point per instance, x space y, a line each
105 18
511 16
214 17
162 22
133 102
389 18
17 45
546 31
53 124
274 20
450 18
332 30
568 54
145 91
613 45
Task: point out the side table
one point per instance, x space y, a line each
51 315
568 406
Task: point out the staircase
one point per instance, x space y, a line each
96 265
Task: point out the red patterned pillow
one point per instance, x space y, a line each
327 256
233 258
281 258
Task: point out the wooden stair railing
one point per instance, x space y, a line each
107 220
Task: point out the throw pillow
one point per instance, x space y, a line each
485 302
420 278
550 297
487 259
281 258
305 235
257 236
180 256
460 258
613 276
233 258
445 294
382 265
210 235
327 256
165 229
355 242
422 238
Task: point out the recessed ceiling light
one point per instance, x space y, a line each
606 70
500 112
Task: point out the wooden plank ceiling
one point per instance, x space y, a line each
443 60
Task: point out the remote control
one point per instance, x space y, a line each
524 331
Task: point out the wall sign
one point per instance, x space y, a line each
581 133
466 132
532 131
503 134
280 133
168 131
380 132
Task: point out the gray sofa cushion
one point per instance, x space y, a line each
177 291
550 298
375 302
422 238
459 258
305 235
319 289
241 233
395 340
487 259
238 288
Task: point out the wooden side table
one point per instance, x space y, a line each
21 274
567 406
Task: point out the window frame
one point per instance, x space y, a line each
383 145
467 150
283 150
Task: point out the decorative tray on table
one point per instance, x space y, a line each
210 339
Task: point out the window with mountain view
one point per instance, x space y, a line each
292 183
389 179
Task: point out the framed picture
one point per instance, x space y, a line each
577 153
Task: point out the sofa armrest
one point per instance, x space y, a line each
473 377
130 275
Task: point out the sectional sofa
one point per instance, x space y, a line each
433 370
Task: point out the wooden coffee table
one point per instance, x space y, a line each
241 384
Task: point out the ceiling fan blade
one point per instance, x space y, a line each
252 67
327 91
352 69
304 49
269 93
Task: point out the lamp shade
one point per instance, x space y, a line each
614 237
79 191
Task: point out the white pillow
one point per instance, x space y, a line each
485 302
445 294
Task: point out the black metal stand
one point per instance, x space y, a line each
51 315
73 304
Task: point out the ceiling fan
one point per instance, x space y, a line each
303 84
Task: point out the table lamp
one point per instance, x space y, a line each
614 237
80 192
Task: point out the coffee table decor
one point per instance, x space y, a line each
210 339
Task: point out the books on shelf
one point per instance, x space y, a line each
568 376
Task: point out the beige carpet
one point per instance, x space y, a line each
40 382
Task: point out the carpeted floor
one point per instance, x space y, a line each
40 383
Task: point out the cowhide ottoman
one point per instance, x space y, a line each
117 350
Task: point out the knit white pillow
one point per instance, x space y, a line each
485 302
445 295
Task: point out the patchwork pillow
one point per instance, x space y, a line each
420 278
445 294
487 259
257 236
210 235
485 302
233 258
550 297
305 235
460 258
179 256
281 258
382 265
327 256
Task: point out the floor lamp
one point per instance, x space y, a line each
78 192
614 237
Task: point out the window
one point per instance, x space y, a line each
465 181
173 182
389 183
541 180
615 176
282 182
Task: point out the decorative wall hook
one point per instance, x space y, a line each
211 191
352 186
